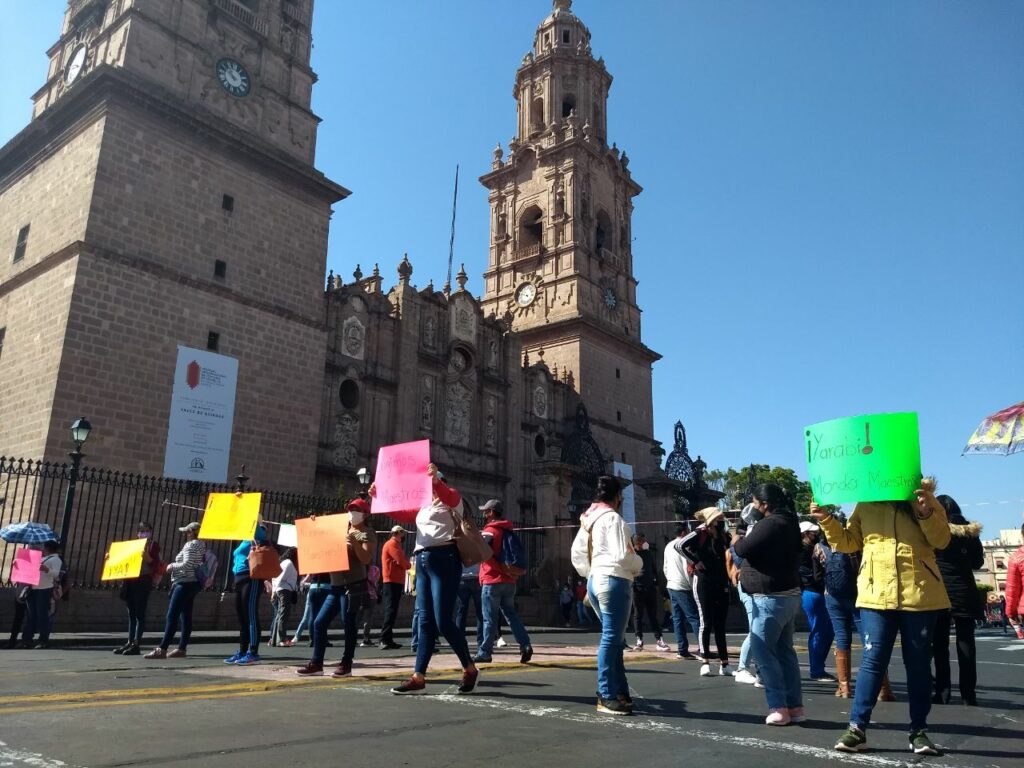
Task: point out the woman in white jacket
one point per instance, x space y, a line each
602 553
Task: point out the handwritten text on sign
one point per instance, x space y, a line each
124 560
26 567
864 458
402 480
323 543
230 517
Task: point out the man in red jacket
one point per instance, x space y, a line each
395 564
498 587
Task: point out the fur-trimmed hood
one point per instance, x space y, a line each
970 530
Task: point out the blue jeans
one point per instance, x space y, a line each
438 573
500 597
748 606
179 609
314 601
38 615
915 630
771 640
338 600
469 592
582 614
845 616
136 597
684 609
612 597
819 639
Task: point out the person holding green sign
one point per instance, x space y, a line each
899 591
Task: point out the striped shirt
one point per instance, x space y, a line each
183 569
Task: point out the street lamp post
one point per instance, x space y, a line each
80 430
364 477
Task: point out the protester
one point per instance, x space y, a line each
957 563
469 594
367 605
248 592
185 585
680 594
135 592
746 670
705 549
348 591
771 576
438 570
602 553
498 587
841 603
1014 596
565 599
38 602
812 589
899 591
21 598
582 612
284 593
645 595
317 585
394 565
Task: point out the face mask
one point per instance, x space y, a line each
357 517
143 534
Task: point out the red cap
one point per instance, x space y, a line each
358 505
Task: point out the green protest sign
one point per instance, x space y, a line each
864 458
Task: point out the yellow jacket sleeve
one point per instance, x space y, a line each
848 539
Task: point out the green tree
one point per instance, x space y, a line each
736 484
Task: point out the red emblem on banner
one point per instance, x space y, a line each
192 372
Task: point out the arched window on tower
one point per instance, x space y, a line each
537 115
603 232
531 227
568 104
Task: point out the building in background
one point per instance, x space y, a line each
997 554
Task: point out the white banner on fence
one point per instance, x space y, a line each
287 536
202 412
625 471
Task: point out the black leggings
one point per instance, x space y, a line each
713 608
965 654
645 601
247 607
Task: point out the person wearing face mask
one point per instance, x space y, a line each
705 549
135 592
645 595
812 589
184 588
349 590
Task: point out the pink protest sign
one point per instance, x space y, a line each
402 480
26 567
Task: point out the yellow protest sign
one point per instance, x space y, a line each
124 560
230 517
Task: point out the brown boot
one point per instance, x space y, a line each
886 693
843 674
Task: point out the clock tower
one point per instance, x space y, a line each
560 268
164 195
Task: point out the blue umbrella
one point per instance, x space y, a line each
27 533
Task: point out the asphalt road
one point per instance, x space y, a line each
89 708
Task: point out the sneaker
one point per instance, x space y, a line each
367 644
797 715
131 650
391 646
249 659
920 744
744 676
661 645
312 669
758 682
478 659
824 677
626 700
705 670
156 653
527 654
685 655
612 707
288 643
177 653
468 680
121 649
40 646
233 658
725 670
501 643
778 717
342 670
852 740
412 685
639 645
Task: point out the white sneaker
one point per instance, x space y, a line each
662 645
759 683
725 670
501 643
639 645
744 676
705 670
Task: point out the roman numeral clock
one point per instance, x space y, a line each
233 78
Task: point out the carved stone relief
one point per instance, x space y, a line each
540 402
464 321
492 354
491 423
346 437
430 333
427 403
353 338
457 417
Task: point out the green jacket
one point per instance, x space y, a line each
898 571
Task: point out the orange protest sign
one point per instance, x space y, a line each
124 560
323 543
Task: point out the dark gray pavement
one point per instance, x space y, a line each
86 707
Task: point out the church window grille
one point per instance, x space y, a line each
228 203
348 393
213 341
220 268
22 245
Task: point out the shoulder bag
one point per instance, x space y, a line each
264 562
473 547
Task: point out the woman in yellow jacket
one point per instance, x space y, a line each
899 589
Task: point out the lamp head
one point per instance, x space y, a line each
80 430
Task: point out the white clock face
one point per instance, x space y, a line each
610 299
525 294
75 64
233 77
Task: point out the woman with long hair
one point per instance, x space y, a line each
899 591
185 585
602 553
135 592
706 549
770 575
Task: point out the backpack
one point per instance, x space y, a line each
207 572
512 555
840 573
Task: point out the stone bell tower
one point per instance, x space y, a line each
560 268
164 194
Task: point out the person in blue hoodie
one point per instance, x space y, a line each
247 602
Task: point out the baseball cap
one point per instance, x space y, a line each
358 505
807 525
490 504
190 528
397 528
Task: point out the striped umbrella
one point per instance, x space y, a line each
1001 433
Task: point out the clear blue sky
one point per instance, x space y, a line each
833 201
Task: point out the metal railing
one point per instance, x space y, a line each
528 252
244 14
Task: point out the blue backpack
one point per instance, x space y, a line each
840 573
513 555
